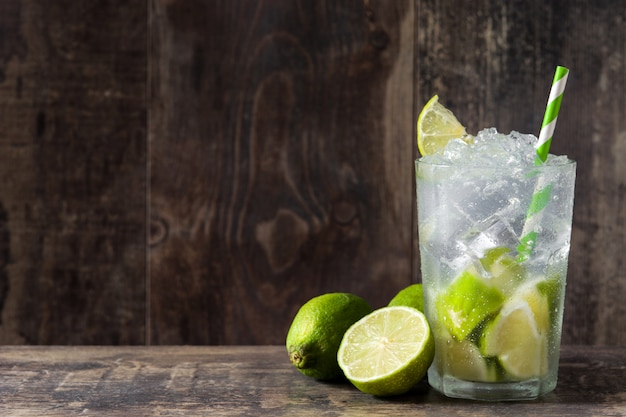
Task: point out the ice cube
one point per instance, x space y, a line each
490 149
492 232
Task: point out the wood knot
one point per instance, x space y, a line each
344 212
158 231
281 238
379 39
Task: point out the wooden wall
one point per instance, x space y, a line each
191 172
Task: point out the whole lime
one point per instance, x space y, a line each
411 296
317 329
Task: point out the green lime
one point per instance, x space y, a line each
465 303
316 331
552 289
505 272
515 339
411 296
388 351
537 302
463 360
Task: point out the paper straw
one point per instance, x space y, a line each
541 195
541 198
552 113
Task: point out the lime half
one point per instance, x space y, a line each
388 351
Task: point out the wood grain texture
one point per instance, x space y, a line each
259 380
72 175
493 65
182 171
281 166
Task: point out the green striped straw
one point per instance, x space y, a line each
541 195
552 112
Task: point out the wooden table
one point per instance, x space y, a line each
259 380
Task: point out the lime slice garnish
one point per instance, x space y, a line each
388 351
517 342
465 303
436 126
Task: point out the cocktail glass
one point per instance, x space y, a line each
496 315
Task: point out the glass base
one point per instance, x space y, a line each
488 391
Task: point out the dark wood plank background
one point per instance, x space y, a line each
191 172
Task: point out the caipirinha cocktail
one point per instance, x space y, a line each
494 297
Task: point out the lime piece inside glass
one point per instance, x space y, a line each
514 338
504 271
464 360
552 289
537 302
465 303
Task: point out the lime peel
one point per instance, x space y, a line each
411 296
466 303
316 332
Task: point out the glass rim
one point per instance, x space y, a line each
564 164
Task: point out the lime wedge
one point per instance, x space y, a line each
505 272
436 126
463 360
388 351
515 339
465 303
537 302
552 289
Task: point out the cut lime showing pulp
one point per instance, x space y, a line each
388 351
465 303
436 126
538 304
514 338
463 360
505 272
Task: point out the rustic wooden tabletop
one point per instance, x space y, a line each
259 380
